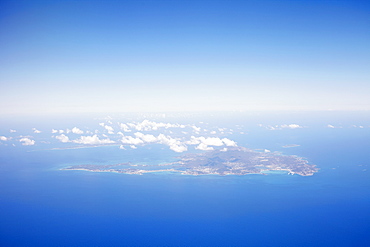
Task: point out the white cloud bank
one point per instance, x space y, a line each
27 141
177 144
147 125
146 138
173 143
283 126
62 138
291 126
36 131
92 140
195 128
204 147
124 127
204 142
76 130
108 128
140 138
131 140
3 138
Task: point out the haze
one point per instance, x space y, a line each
132 56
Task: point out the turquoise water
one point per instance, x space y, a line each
44 206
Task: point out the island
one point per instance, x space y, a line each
227 161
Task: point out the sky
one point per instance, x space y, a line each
145 56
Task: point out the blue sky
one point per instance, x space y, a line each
125 56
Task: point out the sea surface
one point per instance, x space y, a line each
41 205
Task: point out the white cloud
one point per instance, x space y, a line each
76 130
209 141
229 142
204 143
147 125
133 147
109 129
146 138
27 142
291 126
356 126
122 147
61 131
92 140
62 138
12 131
331 126
196 129
178 148
167 140
204 147
3 138
212 141
173 143
36 131
131 140
193 141
140 138
54 131
124 127
283 126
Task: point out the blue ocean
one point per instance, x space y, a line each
42 205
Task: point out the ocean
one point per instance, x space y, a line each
42 205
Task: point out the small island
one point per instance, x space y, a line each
227 161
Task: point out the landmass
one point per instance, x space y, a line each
230 161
